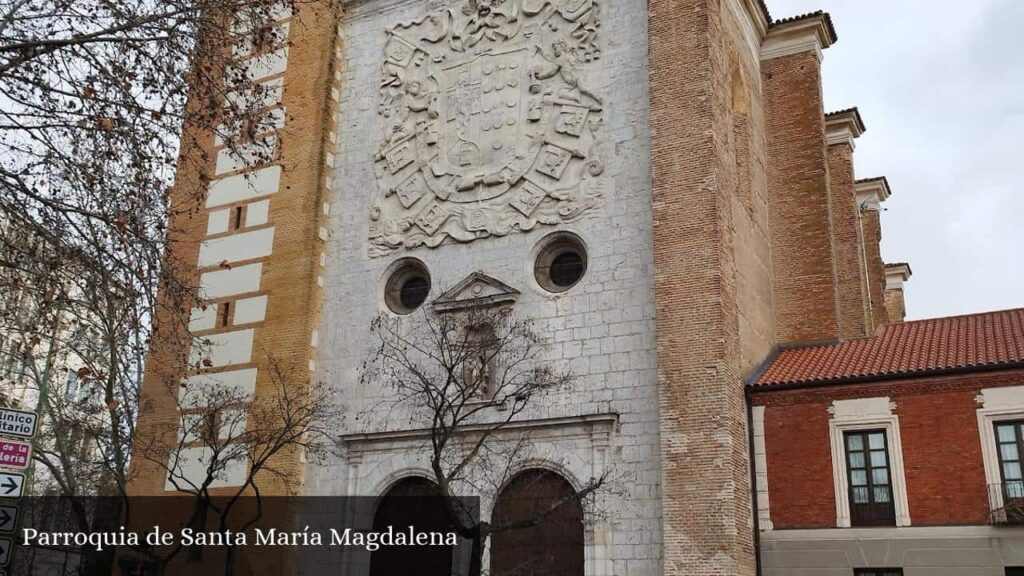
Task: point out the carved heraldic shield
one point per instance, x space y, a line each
489 126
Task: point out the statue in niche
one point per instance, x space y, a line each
477 372
486 108
478 380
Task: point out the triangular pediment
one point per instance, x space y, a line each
475 291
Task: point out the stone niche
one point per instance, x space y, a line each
488 123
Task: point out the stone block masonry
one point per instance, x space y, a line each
601 330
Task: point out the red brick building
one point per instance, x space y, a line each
901 451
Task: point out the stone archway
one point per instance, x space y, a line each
412 502
552 543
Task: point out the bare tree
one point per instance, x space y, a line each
70 351
105 107
466 378
229 446
94 95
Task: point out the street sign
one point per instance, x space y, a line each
18 455
15 454
5 550
17 423
8 518
12 484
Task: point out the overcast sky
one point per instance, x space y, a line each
940 85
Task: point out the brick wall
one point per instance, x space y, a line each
854 321
802 255
752 249
694 57
895 305
945 475
875 265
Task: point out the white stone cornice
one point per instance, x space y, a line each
840 135
808 34
584 426
752 20
873 191
896 275
757 15
843 127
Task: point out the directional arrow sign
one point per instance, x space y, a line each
14 454
5 550
17 423
8 518
12 484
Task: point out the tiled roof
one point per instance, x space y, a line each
988 339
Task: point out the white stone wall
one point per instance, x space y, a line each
602 329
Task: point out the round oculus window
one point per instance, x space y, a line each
413 292
407 287
561 262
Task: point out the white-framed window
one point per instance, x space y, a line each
761 467
867 463
999 409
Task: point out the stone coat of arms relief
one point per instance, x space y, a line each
489 126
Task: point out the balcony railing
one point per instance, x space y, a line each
1006 501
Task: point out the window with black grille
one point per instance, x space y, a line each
567 268
407 287
870 481
878 572
414 291
1010 440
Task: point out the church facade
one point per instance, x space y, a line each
654 184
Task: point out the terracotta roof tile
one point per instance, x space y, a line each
987 339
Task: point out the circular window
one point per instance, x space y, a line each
561 262
407 287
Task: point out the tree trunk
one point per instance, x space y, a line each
229 561
106 518
476 561
97 563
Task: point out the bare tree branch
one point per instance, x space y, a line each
467 377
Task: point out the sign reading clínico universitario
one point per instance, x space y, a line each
17 423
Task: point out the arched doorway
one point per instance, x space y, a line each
412 502
551 543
